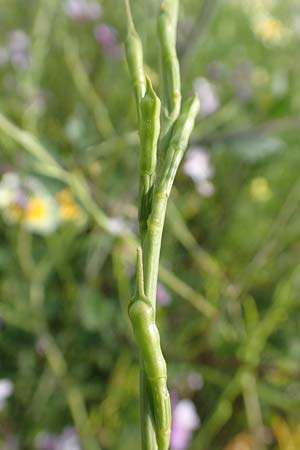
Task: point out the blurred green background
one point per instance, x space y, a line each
229 279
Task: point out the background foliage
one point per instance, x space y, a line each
230 259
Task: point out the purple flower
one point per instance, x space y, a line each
107 38
18 48
67 440
209 100
46 441
185 421
163 295
83 10
20 199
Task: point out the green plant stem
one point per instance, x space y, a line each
249 353
152 244
30 143
36 276
43 26
187 292
85 88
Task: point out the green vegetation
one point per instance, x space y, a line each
73 191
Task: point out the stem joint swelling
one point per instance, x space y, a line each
142 317
156 177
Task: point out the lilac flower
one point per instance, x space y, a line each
163 295
20 199
83 10
6 389
209 100
107 37
46 441
185 421
197 165
18 48
67 440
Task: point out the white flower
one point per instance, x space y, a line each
6 389
41 215
209 100
184 421
271 30
205 188
82 9
296 25
185 413
68 440
11 180
197 165
9 185
28 202
117 225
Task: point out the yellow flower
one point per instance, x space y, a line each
68 209
40 214
270 30
260 189
36 209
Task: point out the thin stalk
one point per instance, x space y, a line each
30 143
249 352
176 149
167 26
155 187
180 288
134 56
85 87
36 277
153 238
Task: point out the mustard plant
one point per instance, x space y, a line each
165 127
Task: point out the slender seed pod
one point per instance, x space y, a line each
149 130
149 133
134 56
178 142
167 24
142 317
